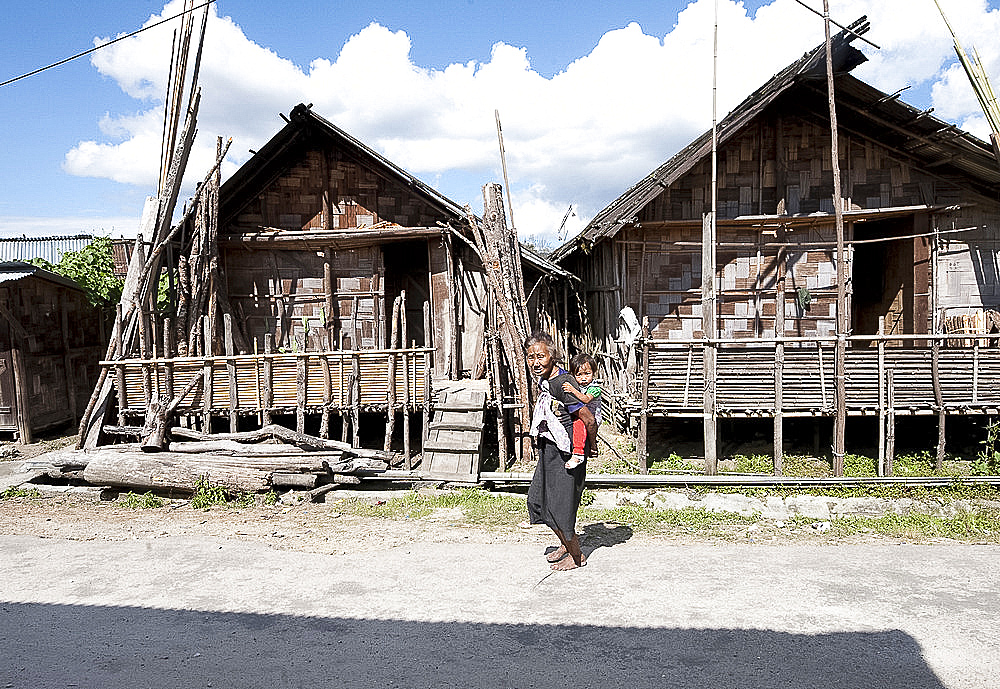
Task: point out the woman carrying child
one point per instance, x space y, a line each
555 492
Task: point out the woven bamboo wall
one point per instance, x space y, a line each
968 264
782 165
666 287
61 346
325 189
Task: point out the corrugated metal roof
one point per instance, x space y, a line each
49 248
12 271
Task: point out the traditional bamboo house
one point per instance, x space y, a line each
329 283
51 338
920 218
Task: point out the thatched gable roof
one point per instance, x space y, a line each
862 110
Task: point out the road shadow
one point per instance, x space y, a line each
55 646
600 535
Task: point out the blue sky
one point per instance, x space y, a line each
593 95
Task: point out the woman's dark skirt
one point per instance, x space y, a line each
555 492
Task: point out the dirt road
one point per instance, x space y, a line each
94 596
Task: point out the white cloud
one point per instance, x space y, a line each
582 136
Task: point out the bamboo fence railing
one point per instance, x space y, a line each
928 379
306 382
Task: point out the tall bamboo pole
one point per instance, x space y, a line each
709 326
840 424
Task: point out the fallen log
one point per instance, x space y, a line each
231 446
338 480
62 460
301 440
173 471
280 479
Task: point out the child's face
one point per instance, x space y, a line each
584 376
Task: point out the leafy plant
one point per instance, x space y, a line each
146 501
18 492
93 268
754 464
672 462
987 462
859 465
208 495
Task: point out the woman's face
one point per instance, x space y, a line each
540 360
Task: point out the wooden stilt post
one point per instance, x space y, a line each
268 373
882 418
890 437
938 401
427 377
407 403
390 421
324 423
642 447
407 398
206 394
779 356
356 399
227 327
301 392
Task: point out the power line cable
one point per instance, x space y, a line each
104 45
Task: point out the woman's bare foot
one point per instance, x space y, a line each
567 564
557 554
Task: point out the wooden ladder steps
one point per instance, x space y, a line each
455 426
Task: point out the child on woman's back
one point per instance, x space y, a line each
584 368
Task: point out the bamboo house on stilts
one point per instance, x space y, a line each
324 290
744 324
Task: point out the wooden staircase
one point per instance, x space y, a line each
453 446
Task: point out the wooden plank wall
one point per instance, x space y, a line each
272 292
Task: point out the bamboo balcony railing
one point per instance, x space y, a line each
962 379
304 382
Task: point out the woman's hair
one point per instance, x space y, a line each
540 337
577 362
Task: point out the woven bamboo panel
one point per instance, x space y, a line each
324 188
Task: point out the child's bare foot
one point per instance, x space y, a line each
557 554
567 564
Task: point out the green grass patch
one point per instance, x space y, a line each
976 525
695 520
19 492
135 501
477 506
672 463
